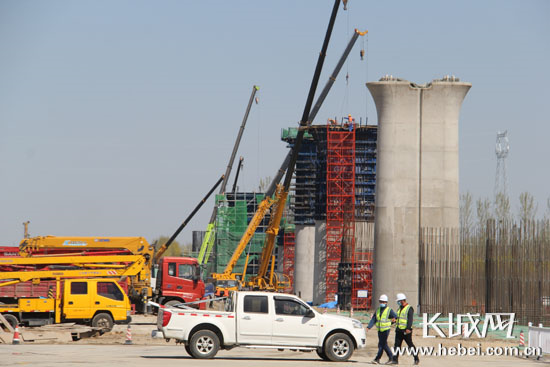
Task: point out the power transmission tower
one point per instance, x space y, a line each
502 149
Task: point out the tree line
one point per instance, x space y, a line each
476 214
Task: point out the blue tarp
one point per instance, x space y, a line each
332 304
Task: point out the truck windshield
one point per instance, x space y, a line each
186 271
227 283
109 290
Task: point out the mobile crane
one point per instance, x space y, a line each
209 237
277 194
272 282
113 250
84 289
177 278
166 280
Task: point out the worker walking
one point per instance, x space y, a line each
382 318
403 331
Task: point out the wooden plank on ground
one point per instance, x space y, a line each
6 338
6 324
57 336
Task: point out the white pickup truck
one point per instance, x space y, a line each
262 320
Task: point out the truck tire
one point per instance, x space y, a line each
188 349
321 353
204 344
338 347
12 320
104 321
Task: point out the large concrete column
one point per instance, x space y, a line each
417 175
441 102
304 262
320 269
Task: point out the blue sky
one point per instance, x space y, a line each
117 117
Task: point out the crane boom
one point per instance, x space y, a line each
311 95
278 208
334 75
237 174
316 107
256 220
76 266
59 245
281 192
208 241
272 231
165 246
263 207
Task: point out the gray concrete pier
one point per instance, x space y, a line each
417 175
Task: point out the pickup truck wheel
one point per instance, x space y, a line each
188 350
321 353
338 347
204 344
103 321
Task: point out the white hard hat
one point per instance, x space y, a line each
383 298
401 297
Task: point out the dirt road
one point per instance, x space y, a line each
109 350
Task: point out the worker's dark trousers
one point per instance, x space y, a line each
383 344
399 337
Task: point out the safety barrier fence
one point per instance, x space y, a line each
539 337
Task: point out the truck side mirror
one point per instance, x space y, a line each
310 313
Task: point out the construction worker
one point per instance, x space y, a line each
403 331
382 318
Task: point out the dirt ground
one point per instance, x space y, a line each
142 326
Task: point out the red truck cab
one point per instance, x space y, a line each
178 281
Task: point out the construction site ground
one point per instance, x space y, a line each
109 349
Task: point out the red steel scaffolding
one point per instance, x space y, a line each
362 280
340 230
288 258
348 269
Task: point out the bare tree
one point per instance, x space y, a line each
502 207
264 183
187 249
527 207
546 217
466 211
483 208
173 250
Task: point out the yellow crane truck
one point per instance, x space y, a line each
98 302
82 289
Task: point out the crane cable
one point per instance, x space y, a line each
365 49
